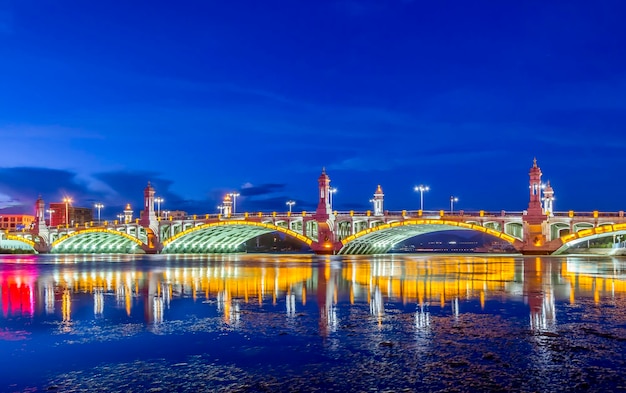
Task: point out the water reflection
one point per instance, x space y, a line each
153 291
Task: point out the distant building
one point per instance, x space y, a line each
16 222
75 215
175 214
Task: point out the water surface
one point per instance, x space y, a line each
307 323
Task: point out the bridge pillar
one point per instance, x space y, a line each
535 221
148 216
150 222
378 201
227 206
326 239
40 229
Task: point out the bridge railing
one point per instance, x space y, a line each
368 213
591 214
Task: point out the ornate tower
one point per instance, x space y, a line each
324 209
148 220
548 199
40 214
535 229
41 228
535 210
228 206
148 216
378 201
128 214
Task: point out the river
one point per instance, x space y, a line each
264 322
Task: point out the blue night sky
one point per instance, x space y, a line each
206 97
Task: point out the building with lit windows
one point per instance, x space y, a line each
16 222
75 215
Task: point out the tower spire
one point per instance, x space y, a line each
378 201
535 213
323 206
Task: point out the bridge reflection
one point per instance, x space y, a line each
452 285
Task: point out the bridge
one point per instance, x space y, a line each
536 230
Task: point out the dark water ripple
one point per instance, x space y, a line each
367 333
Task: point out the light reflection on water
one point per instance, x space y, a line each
442 313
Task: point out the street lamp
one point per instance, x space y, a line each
67 201
330 194
234 195
452 200
50 211
98 206
290 204
121 218
421 189
166 213
158 201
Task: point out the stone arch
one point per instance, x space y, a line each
382 238
223 236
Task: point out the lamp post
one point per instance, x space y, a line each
373 202
158 201
67 201
221 209
330 194
121 218
452 200
166 213
98 206
421 189
234 195
290 204
50 211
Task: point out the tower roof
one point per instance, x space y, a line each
379 190
548 188
323 176
535 168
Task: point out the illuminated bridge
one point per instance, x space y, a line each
536 230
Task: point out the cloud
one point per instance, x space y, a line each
20 187
263 189
24 184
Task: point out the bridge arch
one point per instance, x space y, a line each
583 235
382 238
223 236
96 240
17 242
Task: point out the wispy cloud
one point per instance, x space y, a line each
262 189
20 187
